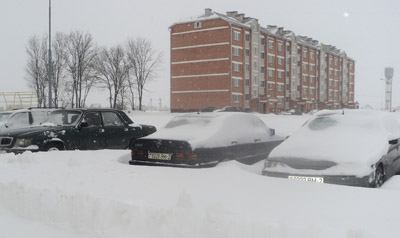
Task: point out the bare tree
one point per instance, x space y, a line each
145 62
113 66
59 46
36 68
81 51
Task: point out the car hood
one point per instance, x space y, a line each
24 132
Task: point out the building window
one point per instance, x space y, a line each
270 86
304 78
255 50
311 91
197 24
271 45
235 67
271 73
247 36
262 55
311 79
236 98
236 51
271 59
279 47
255 80
330 60
280 74
247 52
236 83
279 87
247 82
305 90
335 73
304 67
262 40
262 69
279 61
236 36
247 97
336 61
247 68
287 47
305 54
263 84
255 65
311 55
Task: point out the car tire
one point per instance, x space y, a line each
54 147
379 176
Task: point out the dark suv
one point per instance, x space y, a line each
83 129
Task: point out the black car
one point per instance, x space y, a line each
83 129
205 139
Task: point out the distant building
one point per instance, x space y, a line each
222 60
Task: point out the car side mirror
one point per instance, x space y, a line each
393 142
271 132
83 124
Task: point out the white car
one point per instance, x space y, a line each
350 147
25 118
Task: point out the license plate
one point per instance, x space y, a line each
159 156
308 179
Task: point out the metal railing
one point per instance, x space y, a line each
16 100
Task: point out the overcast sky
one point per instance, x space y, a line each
368 30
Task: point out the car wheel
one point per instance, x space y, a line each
54 147
379 176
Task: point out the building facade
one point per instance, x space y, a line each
220 60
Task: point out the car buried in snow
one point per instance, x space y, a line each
205 139
348 147
76 129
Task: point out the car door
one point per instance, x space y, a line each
91 132
117 133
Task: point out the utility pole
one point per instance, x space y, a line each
50 74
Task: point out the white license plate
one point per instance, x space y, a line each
308 179
159 156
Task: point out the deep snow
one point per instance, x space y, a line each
97 194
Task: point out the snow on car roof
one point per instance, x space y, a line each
342 136
214 129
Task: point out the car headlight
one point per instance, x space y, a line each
270 164
23 142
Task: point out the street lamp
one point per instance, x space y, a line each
50 72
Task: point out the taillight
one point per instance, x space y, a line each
138 153
185 156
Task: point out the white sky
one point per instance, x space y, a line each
368 30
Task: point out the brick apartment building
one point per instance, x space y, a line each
222 60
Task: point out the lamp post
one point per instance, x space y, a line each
50 72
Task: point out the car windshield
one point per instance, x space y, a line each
63 118
4 116
182 121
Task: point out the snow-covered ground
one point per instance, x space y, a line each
97 194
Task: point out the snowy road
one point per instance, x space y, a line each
97 194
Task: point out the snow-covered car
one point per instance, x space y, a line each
23 118
205 139
349 147
4 115
83 129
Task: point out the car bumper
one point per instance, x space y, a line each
18 150
180 165
331 179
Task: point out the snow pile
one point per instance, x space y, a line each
354 140
216 129
96 194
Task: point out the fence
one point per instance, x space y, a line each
15 100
